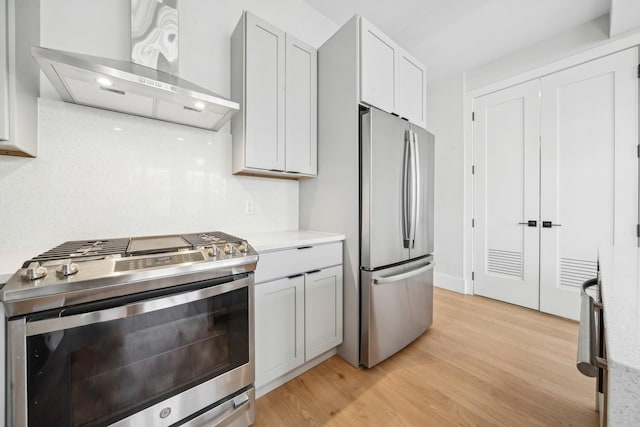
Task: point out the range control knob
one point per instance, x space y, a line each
68 268
34 271
229 249
214 251
243 247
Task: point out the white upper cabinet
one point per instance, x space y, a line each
19 77
264 99
390 78
301 133
378 60
274 79
4 86
411 89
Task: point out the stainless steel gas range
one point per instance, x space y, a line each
142 331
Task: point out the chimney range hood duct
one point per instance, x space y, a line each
130 88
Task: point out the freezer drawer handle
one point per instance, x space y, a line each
397 277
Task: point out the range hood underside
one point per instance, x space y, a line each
132 89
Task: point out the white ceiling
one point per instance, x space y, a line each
452 36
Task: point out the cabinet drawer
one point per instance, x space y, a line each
277 264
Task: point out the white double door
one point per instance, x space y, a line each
556 177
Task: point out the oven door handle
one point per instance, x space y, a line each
233 409
587 360
61 323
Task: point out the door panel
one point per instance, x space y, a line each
377 68
411 89
279 328
301 115
265 95
323 311
589 178
382 151
506 159
4 78
424 225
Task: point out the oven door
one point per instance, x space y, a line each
152 361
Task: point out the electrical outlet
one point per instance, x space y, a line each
248 207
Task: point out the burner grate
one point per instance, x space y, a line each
210 238
83 249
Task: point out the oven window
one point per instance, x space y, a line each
103 372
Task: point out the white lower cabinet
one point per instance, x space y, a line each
323 311
298 309
279 341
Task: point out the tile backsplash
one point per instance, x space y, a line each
102 174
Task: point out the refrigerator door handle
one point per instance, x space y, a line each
402 276
406 170
416 189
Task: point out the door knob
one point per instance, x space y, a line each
530 223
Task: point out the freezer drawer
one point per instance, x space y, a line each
397 307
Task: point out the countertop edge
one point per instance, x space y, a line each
282 240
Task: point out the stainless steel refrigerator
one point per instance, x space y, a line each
396 234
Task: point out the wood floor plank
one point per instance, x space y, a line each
482 363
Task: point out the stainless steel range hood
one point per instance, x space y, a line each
133 89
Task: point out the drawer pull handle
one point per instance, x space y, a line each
305 247
295 275
313 271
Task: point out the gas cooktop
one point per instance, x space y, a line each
88 270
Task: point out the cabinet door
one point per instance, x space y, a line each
323 311
411 89
279 328
377 68
4 94
265 96
589 173
301 108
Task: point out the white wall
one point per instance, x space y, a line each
444 106
90 181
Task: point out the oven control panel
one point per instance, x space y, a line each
138 263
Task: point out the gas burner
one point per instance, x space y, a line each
83 249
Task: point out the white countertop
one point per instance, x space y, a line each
620 273
278 240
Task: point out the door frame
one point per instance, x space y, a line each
632 40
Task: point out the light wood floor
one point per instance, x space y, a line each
482 363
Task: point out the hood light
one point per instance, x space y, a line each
199 105
103 81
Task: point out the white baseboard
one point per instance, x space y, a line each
446 281
266 388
